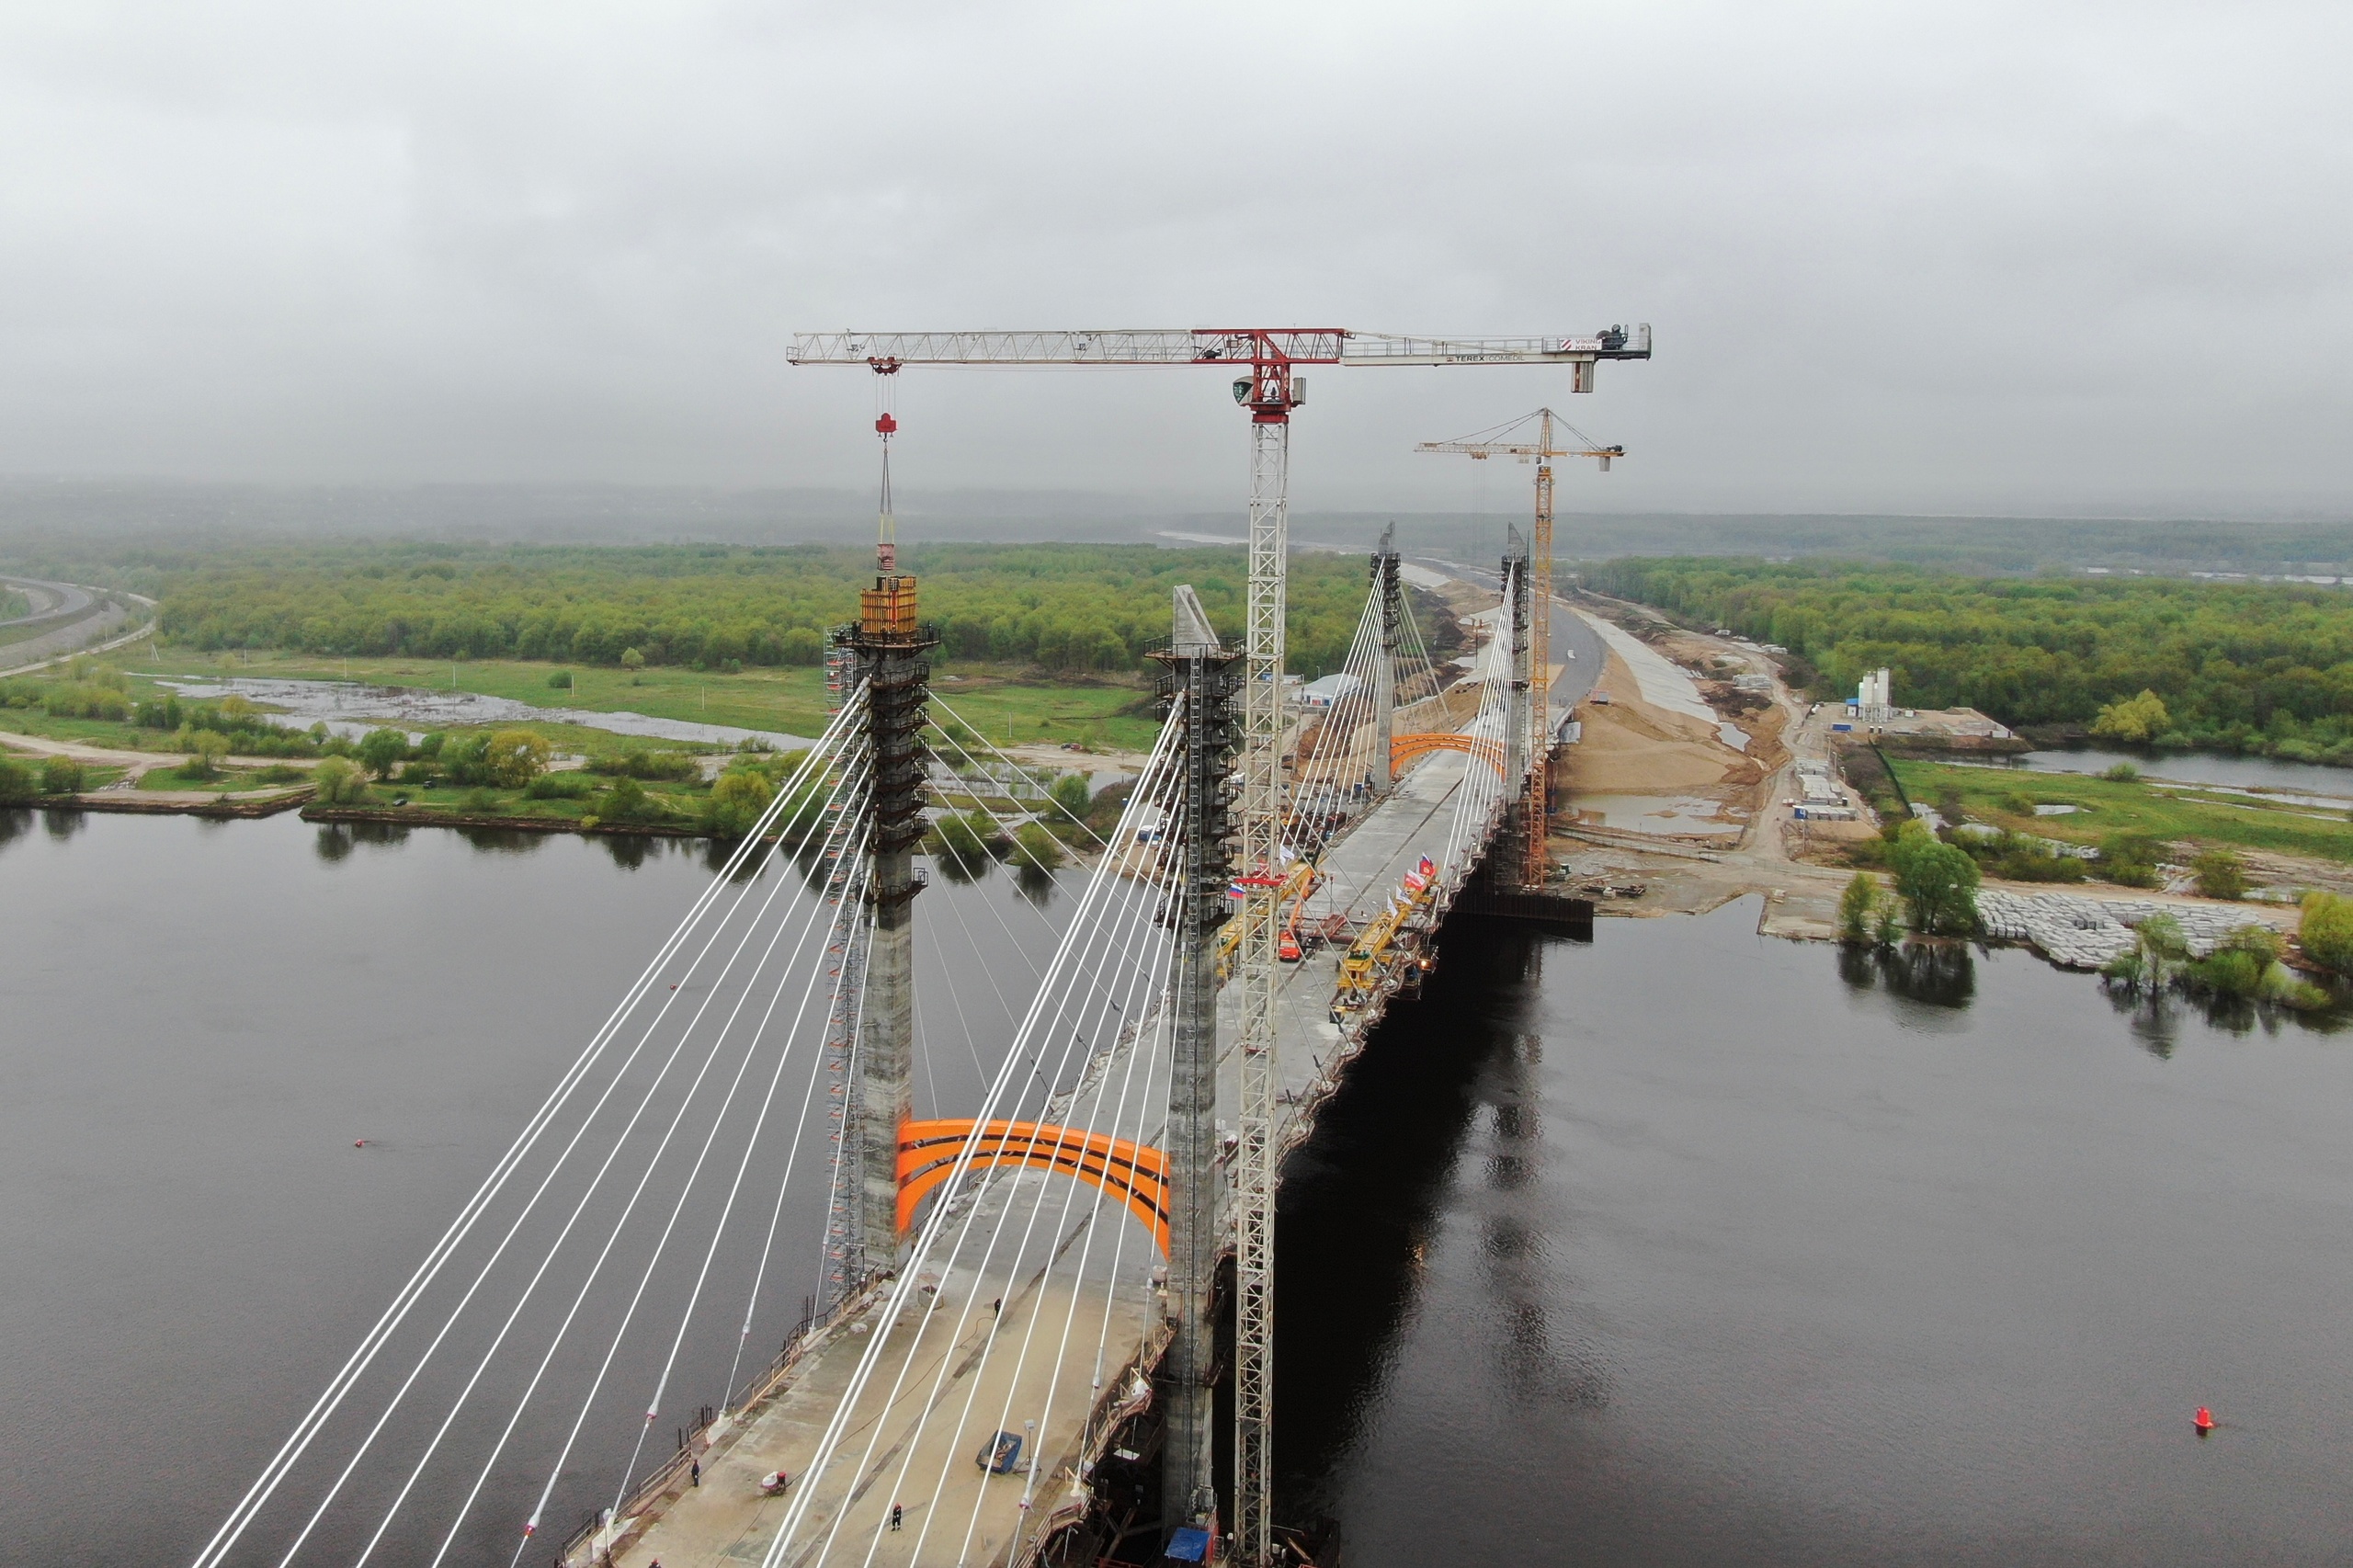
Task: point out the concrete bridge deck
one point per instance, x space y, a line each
1112 1304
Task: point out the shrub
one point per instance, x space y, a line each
560 679
383 750
60 775
2130 860
205 749
2326 931
1936 882
515 757
2136 720
340 781
484 800
1071 796
635 764
2221 874
560 787
1033 846
17 782
735 802
631 659
627 801
1859 909
2123 773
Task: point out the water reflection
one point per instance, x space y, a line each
15 823
62 823
963 869
629 850
336 841
1035 884
1933 973
502 840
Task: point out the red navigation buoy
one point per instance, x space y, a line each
2205 1421
360 1143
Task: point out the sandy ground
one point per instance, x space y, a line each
1637 750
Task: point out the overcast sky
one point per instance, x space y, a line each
2012 258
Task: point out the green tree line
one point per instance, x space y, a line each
2245 667
1067 607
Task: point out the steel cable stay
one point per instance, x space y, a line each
1064 964
329 1401
830 1439
1138 972
1154 967
993 750
849 918
1133 917
1074 1130
852 823
777 886
1353 701
846 913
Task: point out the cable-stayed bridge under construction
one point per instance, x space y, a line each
726 1298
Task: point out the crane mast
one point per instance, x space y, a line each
1536 802
1269 388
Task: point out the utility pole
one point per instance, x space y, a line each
1199 673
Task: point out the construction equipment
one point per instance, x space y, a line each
1268 390
1302 880
1536 803
1376 947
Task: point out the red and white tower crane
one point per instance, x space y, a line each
1269 389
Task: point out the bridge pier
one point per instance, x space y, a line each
1201 673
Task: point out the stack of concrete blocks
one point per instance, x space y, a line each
2076 932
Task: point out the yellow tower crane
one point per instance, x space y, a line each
1508 442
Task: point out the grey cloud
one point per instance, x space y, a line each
1990 257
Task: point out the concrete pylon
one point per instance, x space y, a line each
1205 676
1508 858
890 645
1388 594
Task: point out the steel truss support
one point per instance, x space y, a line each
1199 679
1256 977
1536 809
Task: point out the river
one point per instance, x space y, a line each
1681 1246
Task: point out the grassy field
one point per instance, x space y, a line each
791 699
2170 812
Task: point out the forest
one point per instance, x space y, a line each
1072 608
2229 666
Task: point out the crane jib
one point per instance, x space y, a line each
1206 345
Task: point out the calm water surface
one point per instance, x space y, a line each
1690 1246
1683 1246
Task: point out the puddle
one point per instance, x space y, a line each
1682 816
353 708
1732 735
